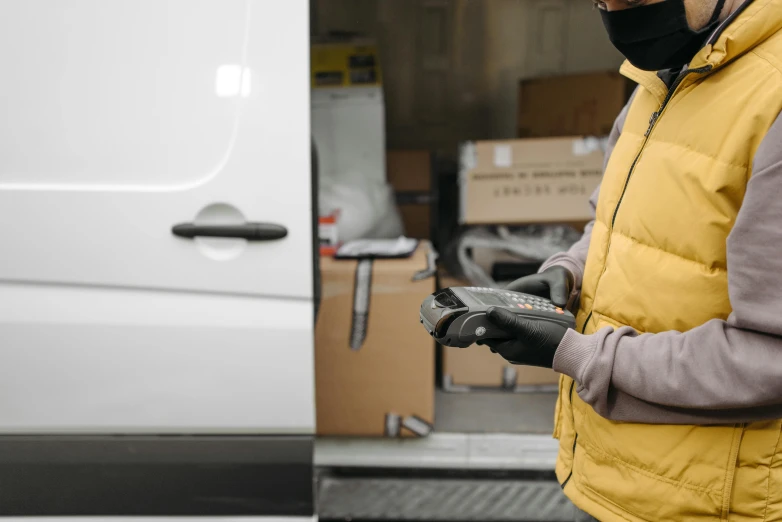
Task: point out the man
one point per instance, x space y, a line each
671 391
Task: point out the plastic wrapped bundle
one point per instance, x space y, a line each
526 243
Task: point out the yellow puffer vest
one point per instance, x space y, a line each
657 262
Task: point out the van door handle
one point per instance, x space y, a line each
248 231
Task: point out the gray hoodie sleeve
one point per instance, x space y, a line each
669 378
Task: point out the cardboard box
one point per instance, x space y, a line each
383 386
410 174
478 367
543 180
352 63
572 105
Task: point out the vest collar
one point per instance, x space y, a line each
748 27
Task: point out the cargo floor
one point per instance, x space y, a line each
475 430
494 412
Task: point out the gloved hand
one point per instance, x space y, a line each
534 343
555 283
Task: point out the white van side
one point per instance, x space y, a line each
156 279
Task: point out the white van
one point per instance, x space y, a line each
156 259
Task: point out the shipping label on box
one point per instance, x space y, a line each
546 180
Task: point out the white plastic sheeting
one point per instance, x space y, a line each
528 243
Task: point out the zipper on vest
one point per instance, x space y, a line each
652 122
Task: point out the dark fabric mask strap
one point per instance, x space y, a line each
717 12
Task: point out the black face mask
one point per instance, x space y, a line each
656 36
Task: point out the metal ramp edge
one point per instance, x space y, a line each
402 499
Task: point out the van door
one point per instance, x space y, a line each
156 307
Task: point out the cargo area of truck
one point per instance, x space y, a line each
398 88
434 77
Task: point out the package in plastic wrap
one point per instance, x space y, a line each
524 243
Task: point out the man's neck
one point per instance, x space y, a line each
730 7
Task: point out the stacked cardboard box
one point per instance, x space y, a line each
571 105
409 172
374 373
548 176
542 180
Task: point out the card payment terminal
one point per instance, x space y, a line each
456 316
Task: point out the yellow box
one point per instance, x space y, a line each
345 65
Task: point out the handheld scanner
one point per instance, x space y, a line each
456 316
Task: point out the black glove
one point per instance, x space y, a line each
555 283
534 343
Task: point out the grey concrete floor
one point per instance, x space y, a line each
494 412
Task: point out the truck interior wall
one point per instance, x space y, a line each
451 67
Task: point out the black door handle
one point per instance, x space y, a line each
248 231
